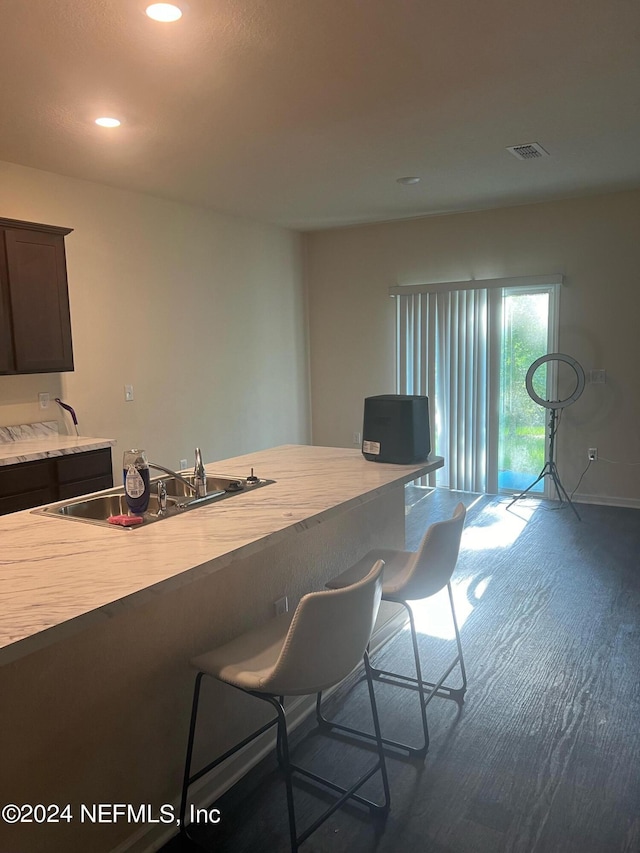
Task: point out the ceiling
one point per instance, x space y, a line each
303 113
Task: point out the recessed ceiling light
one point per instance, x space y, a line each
165 12
105 121
408 180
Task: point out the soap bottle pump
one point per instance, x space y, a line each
135 473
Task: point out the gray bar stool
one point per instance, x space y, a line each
410 576
302 653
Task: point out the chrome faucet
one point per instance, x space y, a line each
200 476
199 485
162 498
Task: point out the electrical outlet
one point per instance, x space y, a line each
128 393
356 438
592 454
281 605
43 400
183 464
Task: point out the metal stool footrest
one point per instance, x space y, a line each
348 793
419 752
435 688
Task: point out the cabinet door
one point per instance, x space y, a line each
26 484
85 466
37 277
81 473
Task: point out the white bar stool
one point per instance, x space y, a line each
302 653
410 576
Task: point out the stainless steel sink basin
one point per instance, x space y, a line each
96 509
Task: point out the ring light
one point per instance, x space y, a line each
556 404
550 468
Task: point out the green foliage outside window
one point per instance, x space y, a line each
522 422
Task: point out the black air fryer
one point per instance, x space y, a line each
396 429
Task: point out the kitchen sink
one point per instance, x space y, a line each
96 509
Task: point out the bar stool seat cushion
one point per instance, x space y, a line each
307 652
413 575
398 568
248 660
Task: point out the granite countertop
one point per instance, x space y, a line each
28 442
57 575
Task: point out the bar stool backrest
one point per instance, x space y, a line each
435 559
327 638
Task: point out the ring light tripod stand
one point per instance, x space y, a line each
550 468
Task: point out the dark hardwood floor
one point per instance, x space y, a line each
545 755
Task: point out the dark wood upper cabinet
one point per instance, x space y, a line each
34 300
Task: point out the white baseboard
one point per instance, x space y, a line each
629 503
150 838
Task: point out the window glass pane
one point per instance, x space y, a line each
521 450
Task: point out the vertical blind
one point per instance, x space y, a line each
443 354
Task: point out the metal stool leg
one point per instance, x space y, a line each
188 778
463 670
376 728
279 756
187 767
284 761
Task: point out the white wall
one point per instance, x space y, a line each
203 313
593 241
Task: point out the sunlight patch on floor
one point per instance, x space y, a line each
501 532
433 615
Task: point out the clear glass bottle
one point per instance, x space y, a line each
135 475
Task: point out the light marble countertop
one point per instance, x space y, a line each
45 447
58 576
41 440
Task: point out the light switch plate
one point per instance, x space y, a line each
128 393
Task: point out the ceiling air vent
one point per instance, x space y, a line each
530 151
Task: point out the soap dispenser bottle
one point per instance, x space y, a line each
135 472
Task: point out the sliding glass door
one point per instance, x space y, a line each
468 347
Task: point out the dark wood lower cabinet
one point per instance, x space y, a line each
30 484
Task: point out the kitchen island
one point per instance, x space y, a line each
98 625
